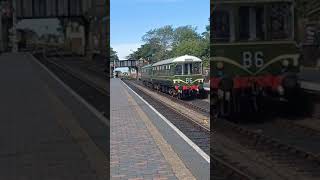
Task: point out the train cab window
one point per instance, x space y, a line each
196 68
221 26
178 69
251 23
260 24
186 69
280 21
244 23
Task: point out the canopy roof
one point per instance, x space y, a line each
180 59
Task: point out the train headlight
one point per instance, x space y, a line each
220 65
285 63
280 90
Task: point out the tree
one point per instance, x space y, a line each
113 55
163 36
184 33
167 42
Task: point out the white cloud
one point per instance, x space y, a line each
125 49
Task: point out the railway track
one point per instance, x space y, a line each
196 104
91 92
96 68
222 169
296 135
284 145
80 68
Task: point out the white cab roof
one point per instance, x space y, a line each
180 59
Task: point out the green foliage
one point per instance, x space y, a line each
113 55
168 42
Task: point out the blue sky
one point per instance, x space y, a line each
131 19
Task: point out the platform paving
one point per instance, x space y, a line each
40 137
137 149
310 79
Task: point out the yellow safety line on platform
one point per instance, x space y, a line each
66 120
178 167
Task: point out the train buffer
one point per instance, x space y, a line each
44 130
143 145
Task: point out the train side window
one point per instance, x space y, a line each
178 69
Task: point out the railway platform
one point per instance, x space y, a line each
144 146
310 79
45 131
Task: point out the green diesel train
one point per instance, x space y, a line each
254 54
181 76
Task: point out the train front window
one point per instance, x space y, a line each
280 21
221 26
251 23
186 69
196 68
178 69
268 22
244 23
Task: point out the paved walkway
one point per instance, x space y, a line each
138 151
310 79
40 137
